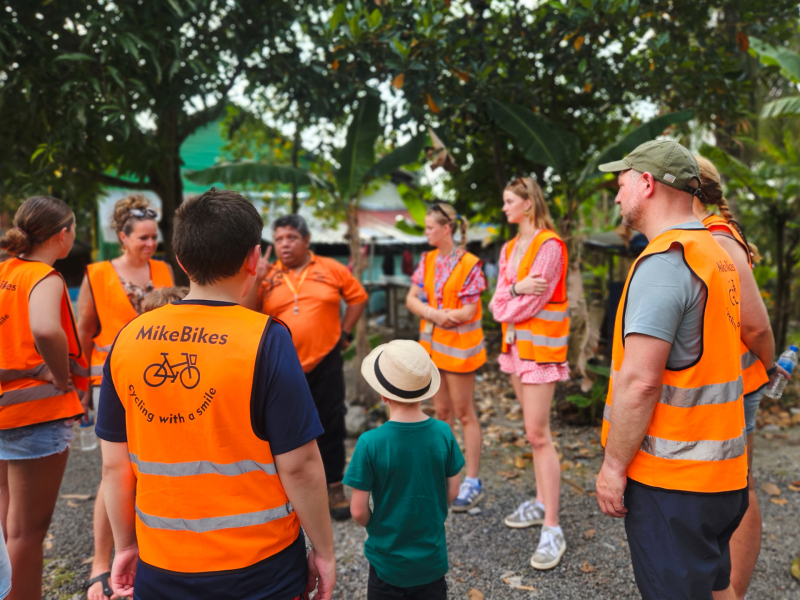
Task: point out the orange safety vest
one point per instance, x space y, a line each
544 337
27 398
460 349
208 496
696 438
754 375
113 307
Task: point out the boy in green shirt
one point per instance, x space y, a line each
411 466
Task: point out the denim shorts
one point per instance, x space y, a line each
36 441
751 402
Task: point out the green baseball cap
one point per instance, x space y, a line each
667 161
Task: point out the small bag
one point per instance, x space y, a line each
511 334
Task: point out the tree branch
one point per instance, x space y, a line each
202 117
112 181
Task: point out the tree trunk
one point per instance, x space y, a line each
295 154
364 394
171 189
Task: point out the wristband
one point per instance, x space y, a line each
514 293
771 371
347 336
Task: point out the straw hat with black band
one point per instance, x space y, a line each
402 371
667 161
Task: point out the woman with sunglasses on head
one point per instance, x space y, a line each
41 365
445 294
111 295
531 303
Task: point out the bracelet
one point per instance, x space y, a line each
514 293
772 369
347 336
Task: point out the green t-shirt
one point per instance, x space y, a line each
406 466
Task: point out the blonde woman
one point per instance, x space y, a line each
445 294
112 294
531 303
758 355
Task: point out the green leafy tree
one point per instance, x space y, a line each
106 92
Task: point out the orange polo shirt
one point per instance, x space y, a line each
317 327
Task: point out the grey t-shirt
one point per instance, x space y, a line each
667 300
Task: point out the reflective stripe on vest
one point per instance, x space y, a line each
695 441
28 398
201 467
754 374
543 338
460 349
208 494
207 524
113 307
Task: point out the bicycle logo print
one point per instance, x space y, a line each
156 374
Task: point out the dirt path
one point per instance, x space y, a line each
485 555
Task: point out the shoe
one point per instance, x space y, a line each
468 497
551 548
338 503
527 514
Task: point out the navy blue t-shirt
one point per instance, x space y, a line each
286 426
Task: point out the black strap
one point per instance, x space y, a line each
102 579
395 390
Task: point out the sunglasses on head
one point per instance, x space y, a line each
438 207
142 213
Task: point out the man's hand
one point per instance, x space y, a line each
344 343
263 264
532 285
123 571
321 575
86 400
610 487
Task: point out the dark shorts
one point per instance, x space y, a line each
679 540
378 589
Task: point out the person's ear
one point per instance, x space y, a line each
251 262
307 242
650 184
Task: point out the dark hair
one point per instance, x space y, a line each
122 221
36 221
213 234
295 221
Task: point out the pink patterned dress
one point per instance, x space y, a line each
548 264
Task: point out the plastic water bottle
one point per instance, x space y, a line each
88 436
778 382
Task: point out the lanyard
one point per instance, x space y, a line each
288 279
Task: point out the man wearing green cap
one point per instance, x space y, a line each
673 427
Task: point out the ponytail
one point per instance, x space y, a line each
711 187
463 226
36 221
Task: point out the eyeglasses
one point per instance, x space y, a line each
142 213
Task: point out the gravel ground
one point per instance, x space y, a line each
482 551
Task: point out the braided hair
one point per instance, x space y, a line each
711 187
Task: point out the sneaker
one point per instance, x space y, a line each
551 548
338 503
468 497
527 514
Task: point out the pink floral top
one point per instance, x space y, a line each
548 264
443 266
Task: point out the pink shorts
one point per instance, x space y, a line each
529 371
